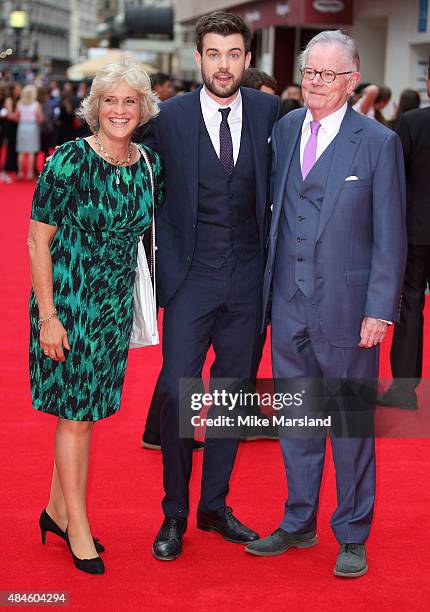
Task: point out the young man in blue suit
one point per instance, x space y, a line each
336 264
211 235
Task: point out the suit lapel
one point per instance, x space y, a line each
188 128
346 146
258 136
286 140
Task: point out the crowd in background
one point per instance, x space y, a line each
35 118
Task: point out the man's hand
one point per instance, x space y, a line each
48 159
51 156
372 332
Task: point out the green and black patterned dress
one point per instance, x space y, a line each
94 258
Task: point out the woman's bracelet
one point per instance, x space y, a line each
47 319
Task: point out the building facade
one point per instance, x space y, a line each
53 32
155 50
394 36
45 33
281 28
83 27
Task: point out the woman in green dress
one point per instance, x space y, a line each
92 203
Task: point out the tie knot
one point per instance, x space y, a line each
315 126
224 113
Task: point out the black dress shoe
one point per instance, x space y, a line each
351 561
46 523
280 541
94 565
152 443
398 397
168 543
224 522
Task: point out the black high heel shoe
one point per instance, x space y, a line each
47 524
90 566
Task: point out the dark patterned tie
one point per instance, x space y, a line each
225 141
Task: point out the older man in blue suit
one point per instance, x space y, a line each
336 263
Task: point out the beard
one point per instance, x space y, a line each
219 91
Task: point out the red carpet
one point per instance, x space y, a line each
125 493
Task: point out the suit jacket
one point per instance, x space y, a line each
360 250
414 132
174 134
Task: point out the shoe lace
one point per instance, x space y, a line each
276 531
233 520
170 529
229 511
352 548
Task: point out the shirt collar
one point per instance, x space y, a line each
331 123
210 107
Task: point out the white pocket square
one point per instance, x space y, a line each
269 139
351 178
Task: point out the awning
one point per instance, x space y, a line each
264 13
89 67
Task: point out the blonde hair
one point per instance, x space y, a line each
28 95
127 70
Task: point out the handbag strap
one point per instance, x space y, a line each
151 178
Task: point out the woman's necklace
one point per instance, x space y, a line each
112 159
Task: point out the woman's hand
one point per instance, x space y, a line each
53 337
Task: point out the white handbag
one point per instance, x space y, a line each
145 331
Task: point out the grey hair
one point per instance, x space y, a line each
329 37
127 70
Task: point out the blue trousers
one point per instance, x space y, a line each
301 350
219 307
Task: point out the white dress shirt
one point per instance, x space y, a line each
330 127
212 119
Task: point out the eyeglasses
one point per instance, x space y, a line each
328 76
